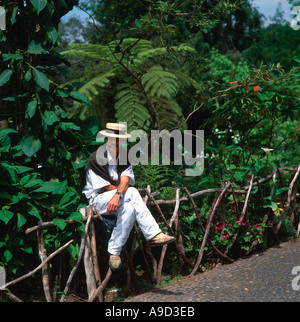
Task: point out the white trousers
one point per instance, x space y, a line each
131 208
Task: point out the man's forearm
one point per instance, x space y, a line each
122 187
124 184
110 187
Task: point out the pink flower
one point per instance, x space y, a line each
241 223
225 236
218 226
257 226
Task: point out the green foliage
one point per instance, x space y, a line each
224 70
42 151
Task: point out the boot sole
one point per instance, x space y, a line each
161 243
113 268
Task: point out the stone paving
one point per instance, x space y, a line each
264 277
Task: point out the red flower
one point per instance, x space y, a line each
234 82
256 89
267 77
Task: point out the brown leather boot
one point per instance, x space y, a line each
114 262
160 240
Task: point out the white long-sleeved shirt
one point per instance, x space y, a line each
94 183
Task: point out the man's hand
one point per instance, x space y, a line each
114 201
113 204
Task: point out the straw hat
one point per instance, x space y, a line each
115 130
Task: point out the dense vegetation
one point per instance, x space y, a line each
155 65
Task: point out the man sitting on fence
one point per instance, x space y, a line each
107 188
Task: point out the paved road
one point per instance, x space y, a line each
266 277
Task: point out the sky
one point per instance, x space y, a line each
266 7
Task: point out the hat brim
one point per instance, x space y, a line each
113 135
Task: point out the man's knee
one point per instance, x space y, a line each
133 190
132 193
128 208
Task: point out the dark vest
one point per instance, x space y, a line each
99 164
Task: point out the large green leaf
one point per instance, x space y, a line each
59 223
36 48
69 126
79 97
7 255
50 117
4 132
76 216
31 107
67 199
21 220
14 178
11 56
30 145
5 76
38 5
41 79
53 187
6 215
52 33
33 211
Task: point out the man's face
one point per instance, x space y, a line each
114 143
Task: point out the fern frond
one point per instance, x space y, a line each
87 50
169 113
138 45
100 80
153 53
160 83
130 107
186 80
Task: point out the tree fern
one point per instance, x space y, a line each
88 50
130 107
169 113
109 52
185 80
160 83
